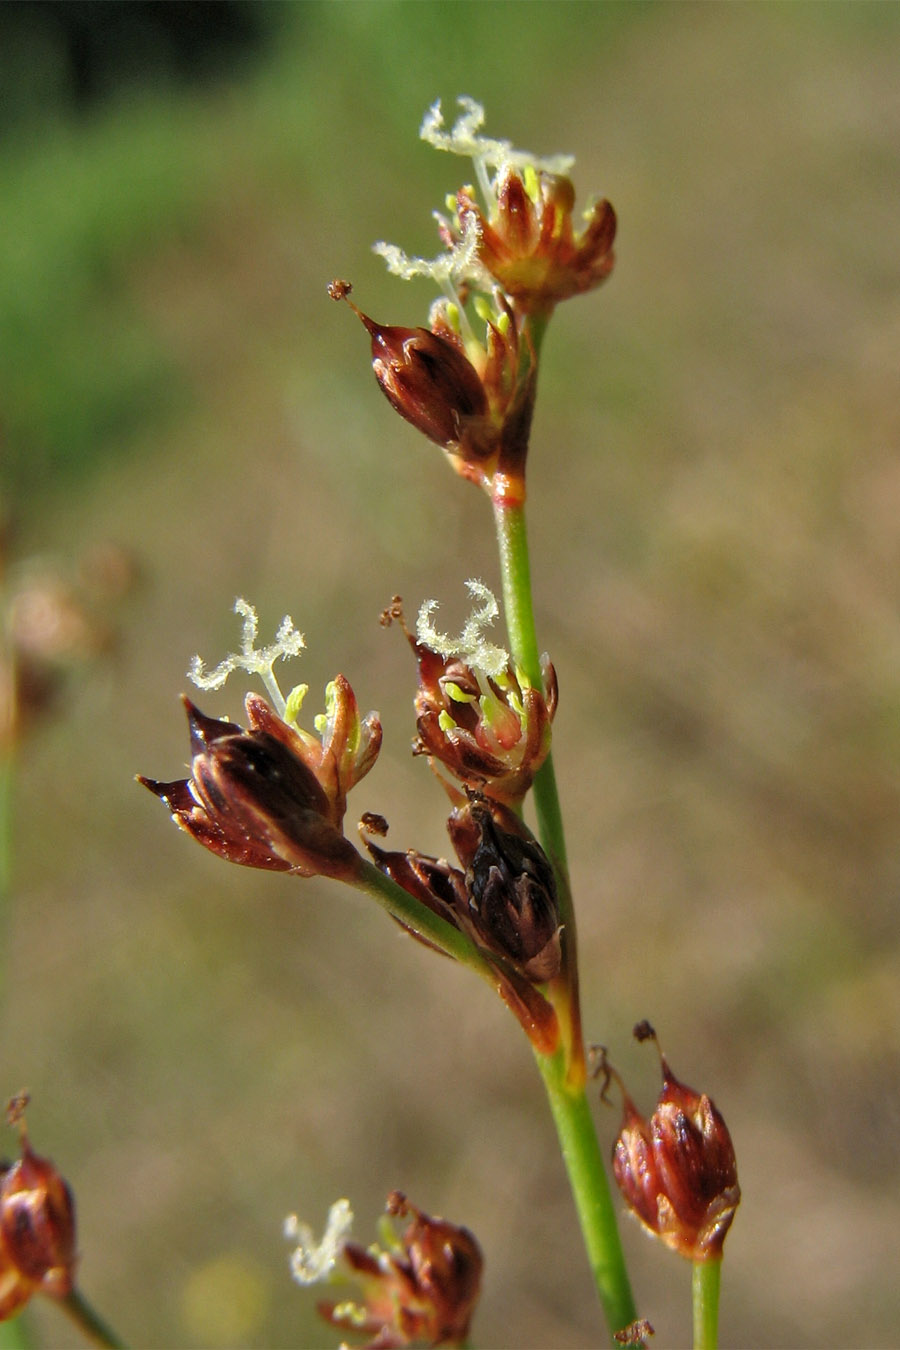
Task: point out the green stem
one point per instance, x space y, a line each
590 1189
15 1333
515 572
563 1073
90 1322
705 1282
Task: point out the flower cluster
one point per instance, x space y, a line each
509 260
416 1287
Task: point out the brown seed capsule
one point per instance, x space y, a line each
37 1227
677 1170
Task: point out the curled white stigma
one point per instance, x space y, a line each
471 646
254 660
485 153
449 270
311 1261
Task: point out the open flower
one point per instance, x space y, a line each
273 795
522 238
416 1287
476 714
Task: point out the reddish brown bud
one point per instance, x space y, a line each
677 1170
253 799
37 1227
428 379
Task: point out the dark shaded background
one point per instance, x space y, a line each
714 512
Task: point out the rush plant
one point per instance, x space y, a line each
271 794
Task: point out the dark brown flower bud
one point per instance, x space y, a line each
677 1170
37 1227
442 888
253 799
510 886
425 376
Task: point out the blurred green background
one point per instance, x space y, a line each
715 522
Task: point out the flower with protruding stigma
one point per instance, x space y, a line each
417 1287
273 796
37 1225
526 241
677 1170
476 714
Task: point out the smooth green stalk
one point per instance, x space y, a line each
90 1322
15 1334
563 1072
590 1189
515 573
705 1283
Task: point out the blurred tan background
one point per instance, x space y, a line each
715 523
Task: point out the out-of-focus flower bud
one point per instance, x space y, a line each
475 714
510 886
418 1287
528 244
254 799
48 628
677 1170
37 1226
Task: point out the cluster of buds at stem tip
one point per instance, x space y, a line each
272 795
37 1225
502 896
677 1169
477 717
418 1287
507 262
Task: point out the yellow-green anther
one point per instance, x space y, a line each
458 695
531 183
482 307
294 702
445 721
